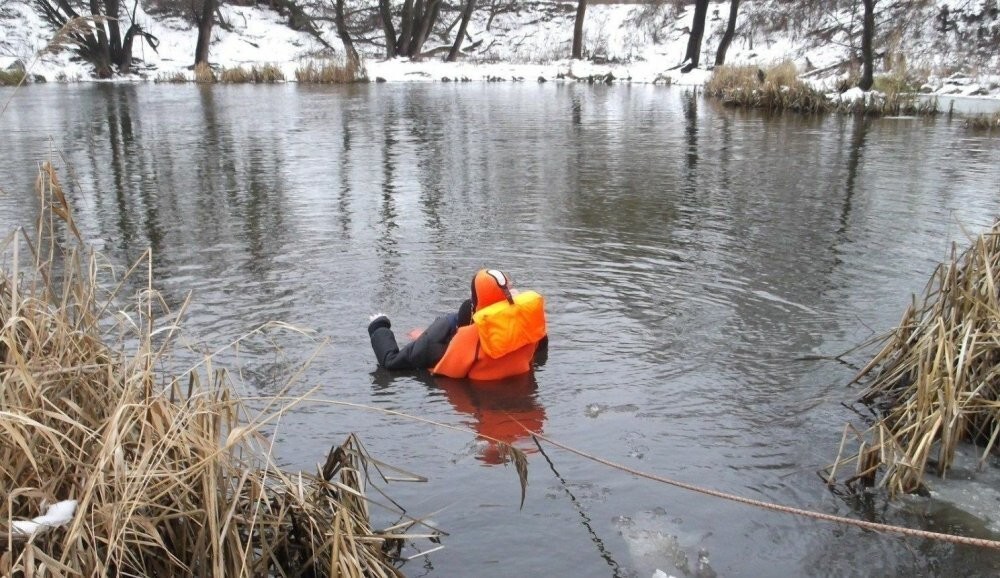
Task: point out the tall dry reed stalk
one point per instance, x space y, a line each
169 476
936 379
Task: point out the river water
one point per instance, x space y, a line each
698 263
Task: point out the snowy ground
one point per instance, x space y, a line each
637 43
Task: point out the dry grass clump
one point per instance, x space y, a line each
175 78
11 77
168 480
204 74
888 104
775 89
895 83
784 73
331 72
266 74
728 77
779 88
936 380
986 122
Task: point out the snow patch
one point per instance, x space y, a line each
57 514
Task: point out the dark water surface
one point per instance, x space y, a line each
691 257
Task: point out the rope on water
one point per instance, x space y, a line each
874 526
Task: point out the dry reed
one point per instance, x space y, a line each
779 88
204 74
936 379
171 78
11 77
266 74
330 72
169 480
984 122
775 89
888 104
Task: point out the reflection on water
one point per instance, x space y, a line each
505 411
691 256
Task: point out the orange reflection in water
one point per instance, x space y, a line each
500 409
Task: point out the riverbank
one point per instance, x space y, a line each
624 43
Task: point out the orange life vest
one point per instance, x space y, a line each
500 342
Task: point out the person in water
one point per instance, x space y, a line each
494 334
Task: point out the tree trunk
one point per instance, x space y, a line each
385 13
102 55
693 54
345 37
470 5
727 38
205 22
581 11
125 66
867 36
113 8
429 17
420 10
406 27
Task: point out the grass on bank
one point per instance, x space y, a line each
11 77
168 474
779 88
936 380
331 72
322 72
984 122
264 74
775 89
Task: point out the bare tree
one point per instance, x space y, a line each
101 42
385 15
727 37
581 11
697 33
470 5
417 20
345 37
204 17
867 36
423 24
102 52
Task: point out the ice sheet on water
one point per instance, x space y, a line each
596 409
656 541
968 488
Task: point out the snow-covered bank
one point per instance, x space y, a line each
629 42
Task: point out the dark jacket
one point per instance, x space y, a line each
422 353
